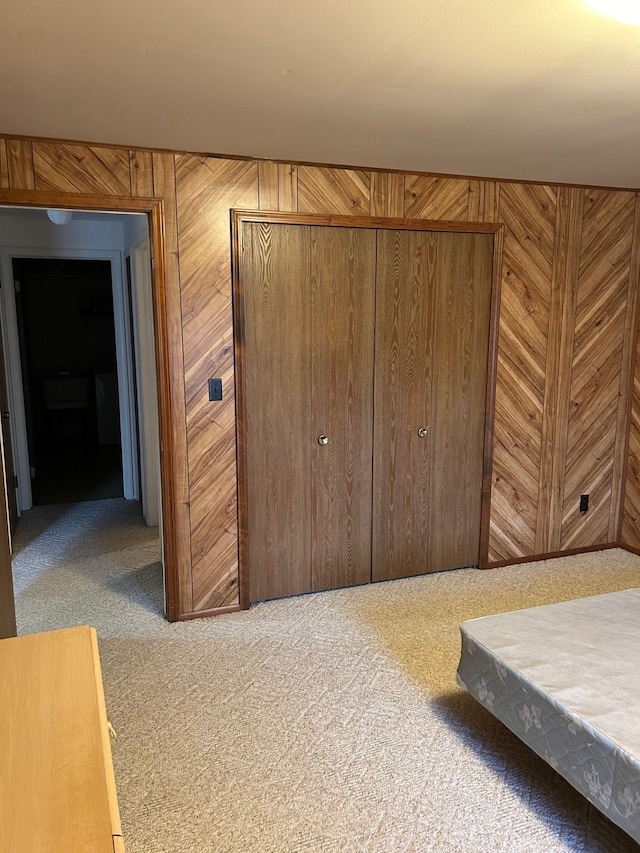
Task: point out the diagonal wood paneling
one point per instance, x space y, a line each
528 213
564 286
597 383
20 164
81 169
201 312
4 165
207 189
428 197
339 191
630 520
268 186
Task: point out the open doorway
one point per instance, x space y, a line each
80 360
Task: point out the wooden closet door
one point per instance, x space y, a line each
406 280
432 331
277 403
308 302
342 311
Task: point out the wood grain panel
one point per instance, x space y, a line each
598 385
562 308
268 186
476 201
175 512
387 194
625 403
20 163
277 386
324 190
81 168
460 350
287 187
631 518
342 321
208 188
428 197
528 213
491 201
406 281
141 171
630 515
4 165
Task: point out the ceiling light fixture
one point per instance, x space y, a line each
624 11
60 217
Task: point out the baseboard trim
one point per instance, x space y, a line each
213 611
498 564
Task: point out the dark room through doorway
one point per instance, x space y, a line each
67 343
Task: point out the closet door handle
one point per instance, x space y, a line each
422 432
322 440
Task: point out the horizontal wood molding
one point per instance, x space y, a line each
357 221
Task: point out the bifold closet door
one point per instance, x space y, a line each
277 401
342 323
432 331
308 302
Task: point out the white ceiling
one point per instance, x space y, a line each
530 89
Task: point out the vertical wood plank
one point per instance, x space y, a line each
20 161
395 194
141 172
387 194
562 308
171 384
287 187
625 403
4 165
268 185
491 201
378 199
476 201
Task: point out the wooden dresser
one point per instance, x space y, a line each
57 788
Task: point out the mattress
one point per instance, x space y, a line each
565 679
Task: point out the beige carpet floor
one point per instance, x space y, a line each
327 722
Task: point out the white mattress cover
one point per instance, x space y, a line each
564 678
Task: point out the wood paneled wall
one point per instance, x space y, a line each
565 417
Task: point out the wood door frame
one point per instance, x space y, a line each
238 218
154 209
